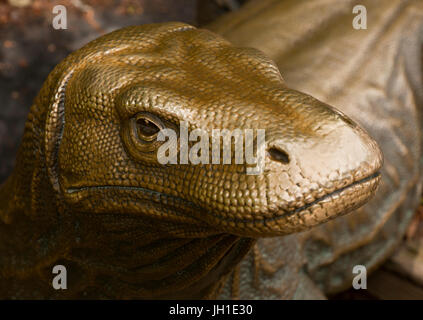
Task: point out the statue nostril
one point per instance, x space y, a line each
278 155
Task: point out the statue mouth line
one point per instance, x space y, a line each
298 210
192 205
371 177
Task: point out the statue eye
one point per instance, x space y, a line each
147 127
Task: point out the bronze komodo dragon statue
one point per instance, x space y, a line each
88 192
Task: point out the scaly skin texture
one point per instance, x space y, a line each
88 192
376 77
